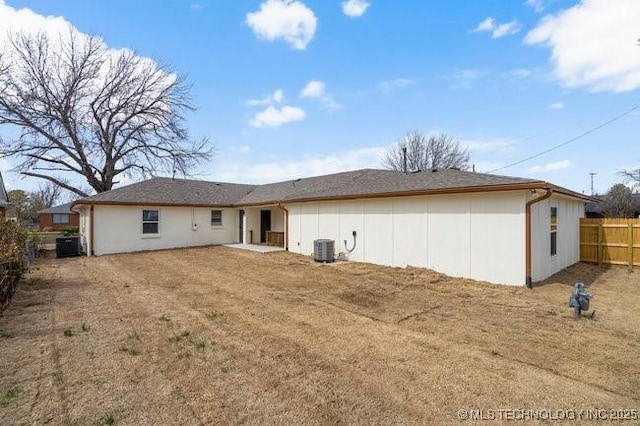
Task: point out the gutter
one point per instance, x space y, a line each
529 281
286 226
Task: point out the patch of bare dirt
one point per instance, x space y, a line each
223 336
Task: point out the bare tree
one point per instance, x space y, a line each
83 109
426 152
47 195
632 176
618 202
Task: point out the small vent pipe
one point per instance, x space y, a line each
404 156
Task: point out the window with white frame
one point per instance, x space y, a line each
554 230
216 217
60 219
150 221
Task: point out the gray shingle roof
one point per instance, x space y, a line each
357 183
168 191
61 209
374 182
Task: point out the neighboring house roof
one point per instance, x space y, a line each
593 207
345 185
168 191
4 196
61 209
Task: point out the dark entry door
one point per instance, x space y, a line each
241 226
265 224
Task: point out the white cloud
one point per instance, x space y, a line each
275 98
593 44
464 79
556 106
536 5
317 90
313 89
197 6
312 164
550 167
288 20
497 30
390 86
276 117
506 29
487 25
355 8
521 73
26 20
278 96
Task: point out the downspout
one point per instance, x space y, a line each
286 226
529 281
91 232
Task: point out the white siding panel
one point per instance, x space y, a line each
498 238
84 228
410 232
294 228
329 221
449 235
277 219
351 219
308 227
118 229
378 232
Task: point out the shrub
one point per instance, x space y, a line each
70 230
13 258
13 241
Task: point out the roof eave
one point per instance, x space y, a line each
410 193
142 204
569 193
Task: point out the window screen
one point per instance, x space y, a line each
216 217
150 220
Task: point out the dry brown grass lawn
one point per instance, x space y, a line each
222 336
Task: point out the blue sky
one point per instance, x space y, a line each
297 88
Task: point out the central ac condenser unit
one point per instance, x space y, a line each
324 250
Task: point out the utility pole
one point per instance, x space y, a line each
592 175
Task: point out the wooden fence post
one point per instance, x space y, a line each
630 245
600 244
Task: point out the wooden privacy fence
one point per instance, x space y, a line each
610 241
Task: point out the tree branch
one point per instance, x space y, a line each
58 182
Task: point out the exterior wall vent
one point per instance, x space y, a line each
324 250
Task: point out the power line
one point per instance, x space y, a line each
560 145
